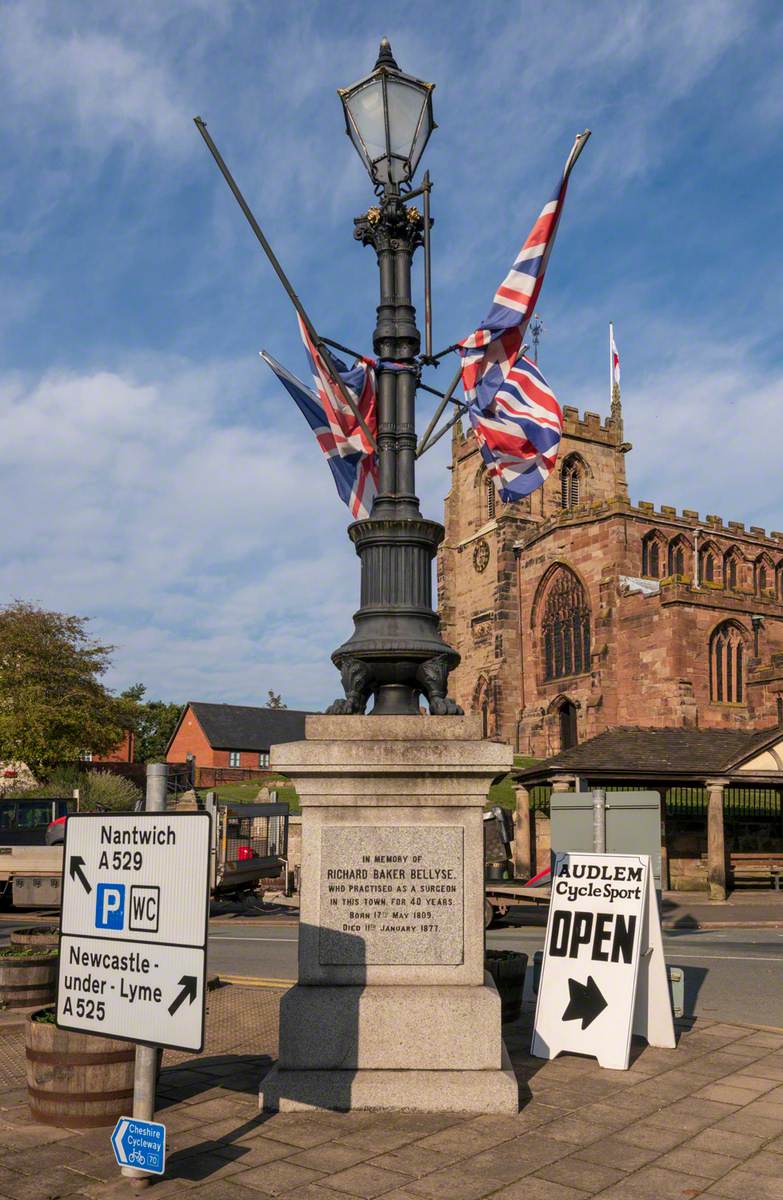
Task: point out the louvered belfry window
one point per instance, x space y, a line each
565 628
491 499
569 484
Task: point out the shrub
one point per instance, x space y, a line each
97 789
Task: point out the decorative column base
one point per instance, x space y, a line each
393 1009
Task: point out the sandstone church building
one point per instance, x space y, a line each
576 611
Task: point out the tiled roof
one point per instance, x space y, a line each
630 750
242 727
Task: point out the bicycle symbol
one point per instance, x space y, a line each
136 1156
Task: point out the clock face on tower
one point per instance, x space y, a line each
481 555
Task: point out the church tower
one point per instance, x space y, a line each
478 562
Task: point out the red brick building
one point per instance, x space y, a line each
232 735
576 611
121 753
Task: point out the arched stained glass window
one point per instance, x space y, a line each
565 627
727 665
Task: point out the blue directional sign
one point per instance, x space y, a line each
140 1144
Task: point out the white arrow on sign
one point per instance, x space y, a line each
116 1137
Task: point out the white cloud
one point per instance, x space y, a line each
213 554
93 82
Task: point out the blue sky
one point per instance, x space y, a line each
152 475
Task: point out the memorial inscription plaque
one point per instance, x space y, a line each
391 895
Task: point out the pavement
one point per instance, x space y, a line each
705 1118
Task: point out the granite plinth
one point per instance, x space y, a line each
391 1028
494 1091
391 1009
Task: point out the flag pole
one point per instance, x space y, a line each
445 429
281 275
427 271
438 412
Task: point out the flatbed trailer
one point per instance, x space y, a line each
501 895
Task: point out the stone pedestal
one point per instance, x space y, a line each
392 1009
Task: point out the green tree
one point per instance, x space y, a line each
155 722
53 705
275 700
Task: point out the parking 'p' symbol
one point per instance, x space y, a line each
110 906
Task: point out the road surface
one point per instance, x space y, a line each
731 975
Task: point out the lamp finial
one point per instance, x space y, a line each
385 56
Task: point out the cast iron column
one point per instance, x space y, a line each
396 652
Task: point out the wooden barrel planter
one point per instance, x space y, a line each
42 935
28 978
76 1080
507 968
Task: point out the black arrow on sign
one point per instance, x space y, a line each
585 1001
76 872
189 985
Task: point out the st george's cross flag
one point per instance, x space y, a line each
353 465
513 411
614 360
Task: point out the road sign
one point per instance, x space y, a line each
603 975
140 1144
133 930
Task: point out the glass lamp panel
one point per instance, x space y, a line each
422 137
365 107
405 104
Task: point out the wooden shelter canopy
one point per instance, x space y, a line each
630 754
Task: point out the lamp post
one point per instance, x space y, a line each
396 652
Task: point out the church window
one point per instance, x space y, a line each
491 496
731 569
727 664
677 557
570 482
764 574
708 568
565 627
651 556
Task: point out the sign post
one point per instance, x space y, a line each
603 975
133 933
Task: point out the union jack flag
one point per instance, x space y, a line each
360 381
353 465
512 409
519 432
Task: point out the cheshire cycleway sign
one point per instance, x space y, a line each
140 1144
133 930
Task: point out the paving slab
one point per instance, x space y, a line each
706 1119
